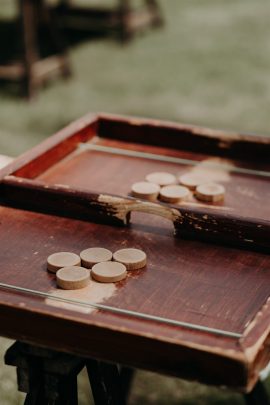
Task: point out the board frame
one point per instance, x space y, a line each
20 190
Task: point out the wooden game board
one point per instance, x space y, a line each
200 308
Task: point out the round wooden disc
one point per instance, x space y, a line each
161 178
145 190
62 259
72 277
174 193
210 192
191 180
132 258
95 255
108 272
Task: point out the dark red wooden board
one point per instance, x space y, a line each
216 286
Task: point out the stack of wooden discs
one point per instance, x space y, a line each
160 185
168 188
203 190
73 271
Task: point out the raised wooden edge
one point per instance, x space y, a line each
204 224
53 149
186 137
255 342
144 131
105 125
210 365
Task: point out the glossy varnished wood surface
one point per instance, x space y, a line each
59 164
215 286
246 195
212 286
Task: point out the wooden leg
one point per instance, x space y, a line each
126 377
105 383
96 381
258 396
155 10
30 47
49 22
36 14
124 15
61 390
48 377
35 395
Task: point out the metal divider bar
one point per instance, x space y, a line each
171 322
170 159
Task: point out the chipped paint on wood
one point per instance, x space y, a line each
121 207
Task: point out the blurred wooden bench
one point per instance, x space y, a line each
123 18
32 68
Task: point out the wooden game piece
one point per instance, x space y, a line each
133 259
109 272
174 193
72 277
95 255
210 192
161 178
62 259
191 180
145 190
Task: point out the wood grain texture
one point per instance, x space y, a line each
57 189
183 136
195 222
203 284
59 164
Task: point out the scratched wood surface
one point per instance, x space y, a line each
186 280
60 166
245 194
207 285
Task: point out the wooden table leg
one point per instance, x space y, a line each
105 383
154 8
258 396
126 377
47 377
124 15
35 395
36 69
30 44
49 21
131 21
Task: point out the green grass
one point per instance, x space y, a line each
209 65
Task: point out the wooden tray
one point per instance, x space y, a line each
90 161
198 310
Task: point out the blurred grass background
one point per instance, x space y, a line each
209 65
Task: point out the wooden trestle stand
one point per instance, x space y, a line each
32 69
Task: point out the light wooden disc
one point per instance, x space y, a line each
95 255
145 190
210 192
191 180
62 259
72 277
132 258
174 193
161 178
108 272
